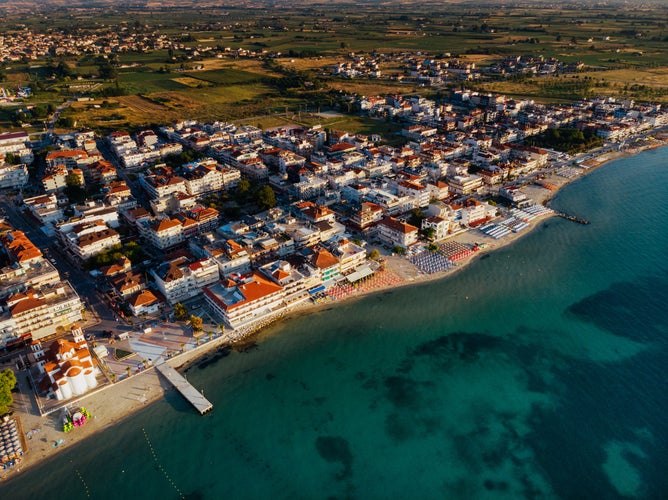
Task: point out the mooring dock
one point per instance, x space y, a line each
195 397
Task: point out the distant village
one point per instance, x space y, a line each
333 197
424 70
421 68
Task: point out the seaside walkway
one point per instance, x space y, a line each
195 397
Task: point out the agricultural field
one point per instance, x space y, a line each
206 74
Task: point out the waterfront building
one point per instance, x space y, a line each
475 211
245 299
296 282
440 226
513 194
328 265
67 367
349 254
396 233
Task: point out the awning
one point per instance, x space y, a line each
317 289
359 274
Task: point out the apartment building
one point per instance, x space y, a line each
245 299
396 233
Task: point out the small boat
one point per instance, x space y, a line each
58 443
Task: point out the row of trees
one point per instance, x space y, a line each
7 383
569 140
260 194
181 313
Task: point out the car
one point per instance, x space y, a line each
90 336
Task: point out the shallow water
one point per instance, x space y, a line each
537 372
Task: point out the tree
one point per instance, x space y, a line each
243 188
73 180
416 217
107 71
429 233
265 197
196 323
373 254
63 69
7 383
180 311
12 159
399 250
74 191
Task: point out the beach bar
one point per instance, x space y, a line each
195 397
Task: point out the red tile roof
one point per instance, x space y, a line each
398 226
324 259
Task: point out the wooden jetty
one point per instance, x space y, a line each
195 397
573 218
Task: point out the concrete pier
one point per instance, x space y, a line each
195 397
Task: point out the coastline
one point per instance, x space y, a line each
116 402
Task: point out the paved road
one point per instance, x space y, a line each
82 282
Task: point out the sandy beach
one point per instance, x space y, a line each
115 402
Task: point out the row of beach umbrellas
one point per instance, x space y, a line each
10 443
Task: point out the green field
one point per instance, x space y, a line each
148 83
623 47
226 77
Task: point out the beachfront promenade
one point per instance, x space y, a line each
196 398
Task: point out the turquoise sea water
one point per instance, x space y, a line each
537 372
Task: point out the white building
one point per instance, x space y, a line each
87 239
396 233
67 367
440 226
245 300
163 233
13 176
180 279
39 311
